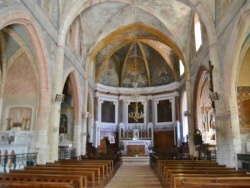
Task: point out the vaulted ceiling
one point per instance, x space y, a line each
137 41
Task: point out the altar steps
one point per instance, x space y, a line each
143 160
134 175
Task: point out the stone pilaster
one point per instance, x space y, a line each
84 121
191 127
42 146
77 138
56 106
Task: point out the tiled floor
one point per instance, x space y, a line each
134 175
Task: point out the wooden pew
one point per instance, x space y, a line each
30 184
161 163
108 166
90 175
76 181
97 171
162 173
110 163
104 176
196 182
173 175
199 171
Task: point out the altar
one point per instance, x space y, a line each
136 147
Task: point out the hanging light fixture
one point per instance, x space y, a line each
135 115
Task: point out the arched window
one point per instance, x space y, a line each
197 31
182 70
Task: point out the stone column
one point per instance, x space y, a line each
2 81
84 120
77 137
1 105
227 135
42 145
56 106
191 127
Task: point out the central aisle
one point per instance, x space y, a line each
134 175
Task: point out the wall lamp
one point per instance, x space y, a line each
214 96
187 113
59 98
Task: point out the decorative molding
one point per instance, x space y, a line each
243 88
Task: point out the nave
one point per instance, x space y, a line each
134 174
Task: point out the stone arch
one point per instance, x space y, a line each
198 87
18 16
73 76
76 92
237 47
78 6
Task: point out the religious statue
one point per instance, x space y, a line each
63 124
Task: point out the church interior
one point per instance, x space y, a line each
127 80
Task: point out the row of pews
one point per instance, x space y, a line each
198 174
83 173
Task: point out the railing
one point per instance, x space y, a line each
243 162
17 161
66 153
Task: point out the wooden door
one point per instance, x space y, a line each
163 139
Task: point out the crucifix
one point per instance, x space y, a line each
211 88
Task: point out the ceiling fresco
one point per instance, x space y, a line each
134 57
135 41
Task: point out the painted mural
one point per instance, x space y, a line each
160 72
135 72
110 74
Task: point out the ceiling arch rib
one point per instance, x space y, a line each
165 57
146 64
125 62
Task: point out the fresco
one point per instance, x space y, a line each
135 72
110 74
160 72
129 64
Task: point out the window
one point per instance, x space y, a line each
197 31
181 68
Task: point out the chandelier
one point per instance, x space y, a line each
135 114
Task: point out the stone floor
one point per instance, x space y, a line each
134 175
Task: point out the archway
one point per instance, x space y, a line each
21 27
